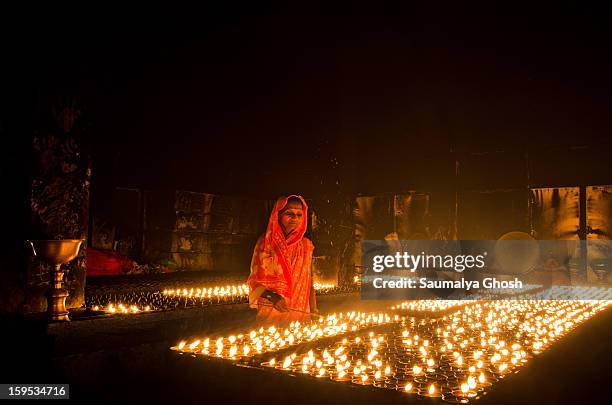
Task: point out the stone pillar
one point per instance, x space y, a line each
59 200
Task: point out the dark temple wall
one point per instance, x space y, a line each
180 230
333 234
215 232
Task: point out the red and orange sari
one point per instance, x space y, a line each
282 265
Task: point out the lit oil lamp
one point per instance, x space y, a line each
321 373
286 363
431 391
461 395
271 363
362 379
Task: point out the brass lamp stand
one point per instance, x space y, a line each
56 253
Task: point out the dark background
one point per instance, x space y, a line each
248 101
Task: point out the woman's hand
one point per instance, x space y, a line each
281 305
313 301
277 301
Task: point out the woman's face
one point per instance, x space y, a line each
290 217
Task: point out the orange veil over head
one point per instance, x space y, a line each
282 264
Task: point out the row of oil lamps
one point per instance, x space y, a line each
230 290
144 301
443 305
569 292
454 356
271 339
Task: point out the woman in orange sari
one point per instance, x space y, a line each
280 284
